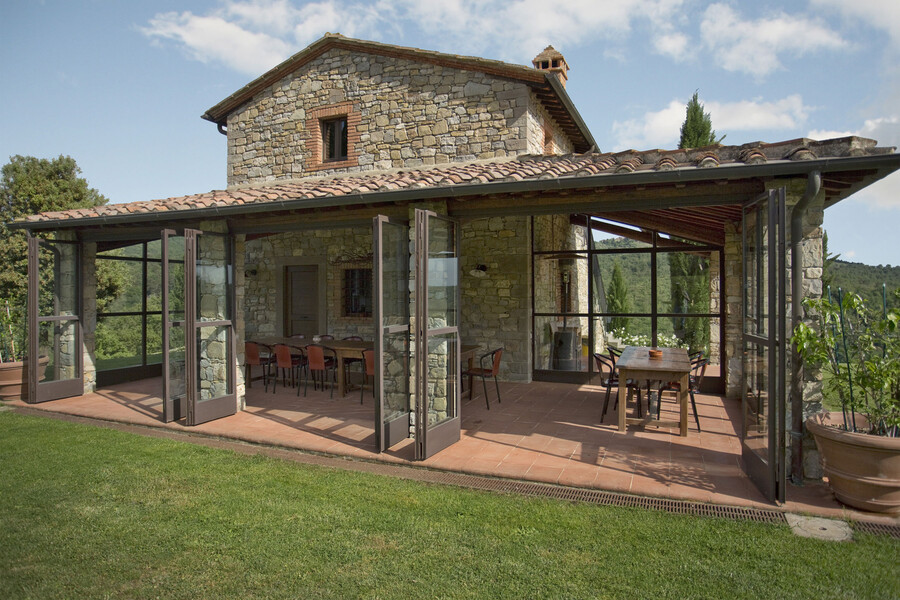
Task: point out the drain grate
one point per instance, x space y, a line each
878 528
600 497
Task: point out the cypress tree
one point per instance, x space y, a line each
697 131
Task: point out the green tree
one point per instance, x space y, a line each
29 186
617 300
697 131
828 260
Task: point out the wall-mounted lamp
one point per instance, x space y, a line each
479 271
250 273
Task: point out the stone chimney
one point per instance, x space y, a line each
551 60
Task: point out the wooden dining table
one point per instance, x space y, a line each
636 364
343 349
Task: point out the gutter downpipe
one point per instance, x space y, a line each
813 186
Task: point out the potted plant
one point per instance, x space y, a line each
13 364
858 349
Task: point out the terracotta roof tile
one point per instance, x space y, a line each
522 168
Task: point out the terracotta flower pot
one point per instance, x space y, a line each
863 470
14 378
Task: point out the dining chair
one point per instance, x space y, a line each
319 362
609 378
253 358
486 372
369 371
326 337
695 380
285 361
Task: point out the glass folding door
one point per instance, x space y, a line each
437 334
764 341
54 358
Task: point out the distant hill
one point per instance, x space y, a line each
865 280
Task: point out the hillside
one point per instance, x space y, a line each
865 280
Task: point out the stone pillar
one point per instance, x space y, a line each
496 302
239 320
733 299
89 314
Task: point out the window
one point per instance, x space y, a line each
334 139
357 296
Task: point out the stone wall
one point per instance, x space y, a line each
401 114
734 302
264 261
496 303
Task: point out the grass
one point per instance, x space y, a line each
88 512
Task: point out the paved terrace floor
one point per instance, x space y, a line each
544 432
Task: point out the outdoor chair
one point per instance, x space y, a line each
253 358
319 362
609 378
485 372
349 362
369 371
286 362
698 370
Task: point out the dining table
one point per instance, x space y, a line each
636 364
343 350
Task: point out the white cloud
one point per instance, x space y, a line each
750 46
674 45
884 194
661 129
253 35
880 14
215 39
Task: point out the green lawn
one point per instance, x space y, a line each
87 512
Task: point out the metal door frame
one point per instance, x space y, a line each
391 433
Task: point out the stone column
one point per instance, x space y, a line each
89 314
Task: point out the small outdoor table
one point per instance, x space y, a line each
636 364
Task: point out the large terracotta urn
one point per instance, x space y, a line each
14 378
863 470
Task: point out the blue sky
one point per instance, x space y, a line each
120 86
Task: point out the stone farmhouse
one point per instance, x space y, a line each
427 201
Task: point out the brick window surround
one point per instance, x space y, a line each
314 120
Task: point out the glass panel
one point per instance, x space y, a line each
154 287
395 274
683 282
58 279
443 385
629 331
118 342
622 283
213 278
57 341
154 339
213 346
665 240
130 274
557 232
560 343
693 333
154 249
443 270
756 281
396 375
756 399
177 370
600 341
561 283
601 240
